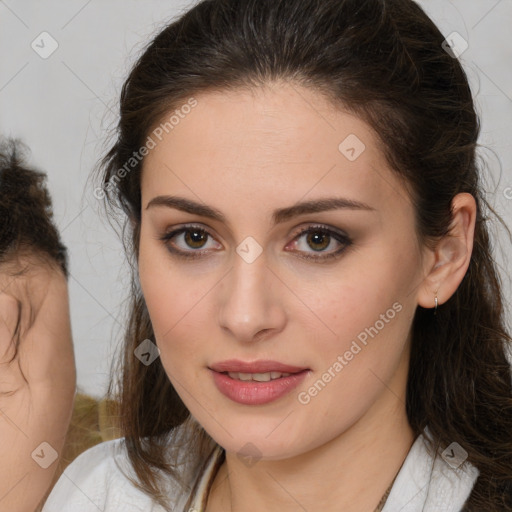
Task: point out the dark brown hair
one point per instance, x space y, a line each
384 62
26 214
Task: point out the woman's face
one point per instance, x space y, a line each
274 232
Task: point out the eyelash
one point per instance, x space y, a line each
338 236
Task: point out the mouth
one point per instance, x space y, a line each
256 383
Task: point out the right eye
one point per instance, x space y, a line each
185 242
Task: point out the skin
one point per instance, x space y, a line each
247 153
37 387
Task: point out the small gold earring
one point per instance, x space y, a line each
435 307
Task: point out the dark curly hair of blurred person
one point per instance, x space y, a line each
26 216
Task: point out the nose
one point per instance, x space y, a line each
251 306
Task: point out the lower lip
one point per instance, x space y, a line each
256 393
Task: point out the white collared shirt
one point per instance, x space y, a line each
94 482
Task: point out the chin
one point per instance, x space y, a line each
254 441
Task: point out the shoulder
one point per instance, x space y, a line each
99 479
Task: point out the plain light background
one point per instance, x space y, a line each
63 107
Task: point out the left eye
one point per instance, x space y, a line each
320 240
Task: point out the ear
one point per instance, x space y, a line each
449 261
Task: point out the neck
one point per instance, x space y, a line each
351 472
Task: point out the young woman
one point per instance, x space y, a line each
316 318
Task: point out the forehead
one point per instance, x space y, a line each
278 143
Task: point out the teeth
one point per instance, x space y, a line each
258 377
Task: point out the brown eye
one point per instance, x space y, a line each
324 241
195 238
318 241
187 242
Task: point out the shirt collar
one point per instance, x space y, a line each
425 482
428 482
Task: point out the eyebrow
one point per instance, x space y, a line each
280 215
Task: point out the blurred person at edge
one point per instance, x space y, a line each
37 367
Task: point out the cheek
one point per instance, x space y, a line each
165 290
172 317
357 359
346 304
366 314
367 333
176 307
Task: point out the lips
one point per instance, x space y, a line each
238 366
231 379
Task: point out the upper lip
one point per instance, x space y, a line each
235 365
